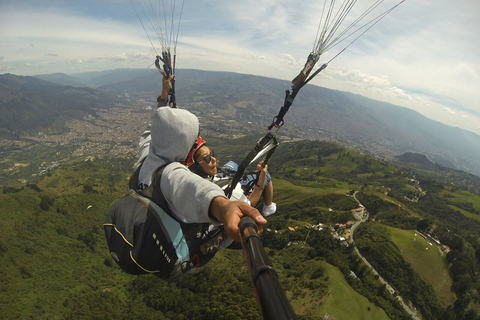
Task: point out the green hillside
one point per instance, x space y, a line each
426 259
464 201
53 249
56 264
340 300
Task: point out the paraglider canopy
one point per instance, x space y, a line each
161 21
339 23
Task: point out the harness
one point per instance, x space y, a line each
202 241
145 236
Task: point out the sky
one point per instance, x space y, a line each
424 55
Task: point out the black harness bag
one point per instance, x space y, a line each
144 236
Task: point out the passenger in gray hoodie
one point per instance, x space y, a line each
191 198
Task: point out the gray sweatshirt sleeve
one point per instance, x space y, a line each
187 194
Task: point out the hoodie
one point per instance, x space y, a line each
172 134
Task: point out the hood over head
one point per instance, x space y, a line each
173 132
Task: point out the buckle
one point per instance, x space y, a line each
194 262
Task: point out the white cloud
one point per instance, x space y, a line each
290 59
446 109
379 85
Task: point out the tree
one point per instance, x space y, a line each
45 202
423 225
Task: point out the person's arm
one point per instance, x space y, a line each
257 191
145 138
166 85
188 195
196 200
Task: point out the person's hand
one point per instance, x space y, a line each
259 166
235 211
230 212
262 170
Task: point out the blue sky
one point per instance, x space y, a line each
423 56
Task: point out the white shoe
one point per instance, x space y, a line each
269 210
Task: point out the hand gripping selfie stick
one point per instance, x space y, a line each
272 301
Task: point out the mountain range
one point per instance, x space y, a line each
370 126
29 103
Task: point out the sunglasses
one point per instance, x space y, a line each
208 157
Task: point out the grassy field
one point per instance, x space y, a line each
287 193
426 260
334 295
463 197
466 213
342 302
466 196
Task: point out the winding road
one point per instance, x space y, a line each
407 308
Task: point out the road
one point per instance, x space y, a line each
411 312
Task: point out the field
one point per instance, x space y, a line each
460 198
333 295
288 193
465 212
466 196
340 300
426 260
345 303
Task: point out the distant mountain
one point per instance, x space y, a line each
62 79
418 158
101 78
358 122
27 103
367 125
97 79
420 161
450 146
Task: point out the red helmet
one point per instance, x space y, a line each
191 155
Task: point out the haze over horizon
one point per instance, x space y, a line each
422 56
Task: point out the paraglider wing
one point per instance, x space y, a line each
161 20
340 21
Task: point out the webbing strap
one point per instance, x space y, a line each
297 83
289 97
169 225
249 158
251 185
153 191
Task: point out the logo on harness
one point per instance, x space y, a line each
160 247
